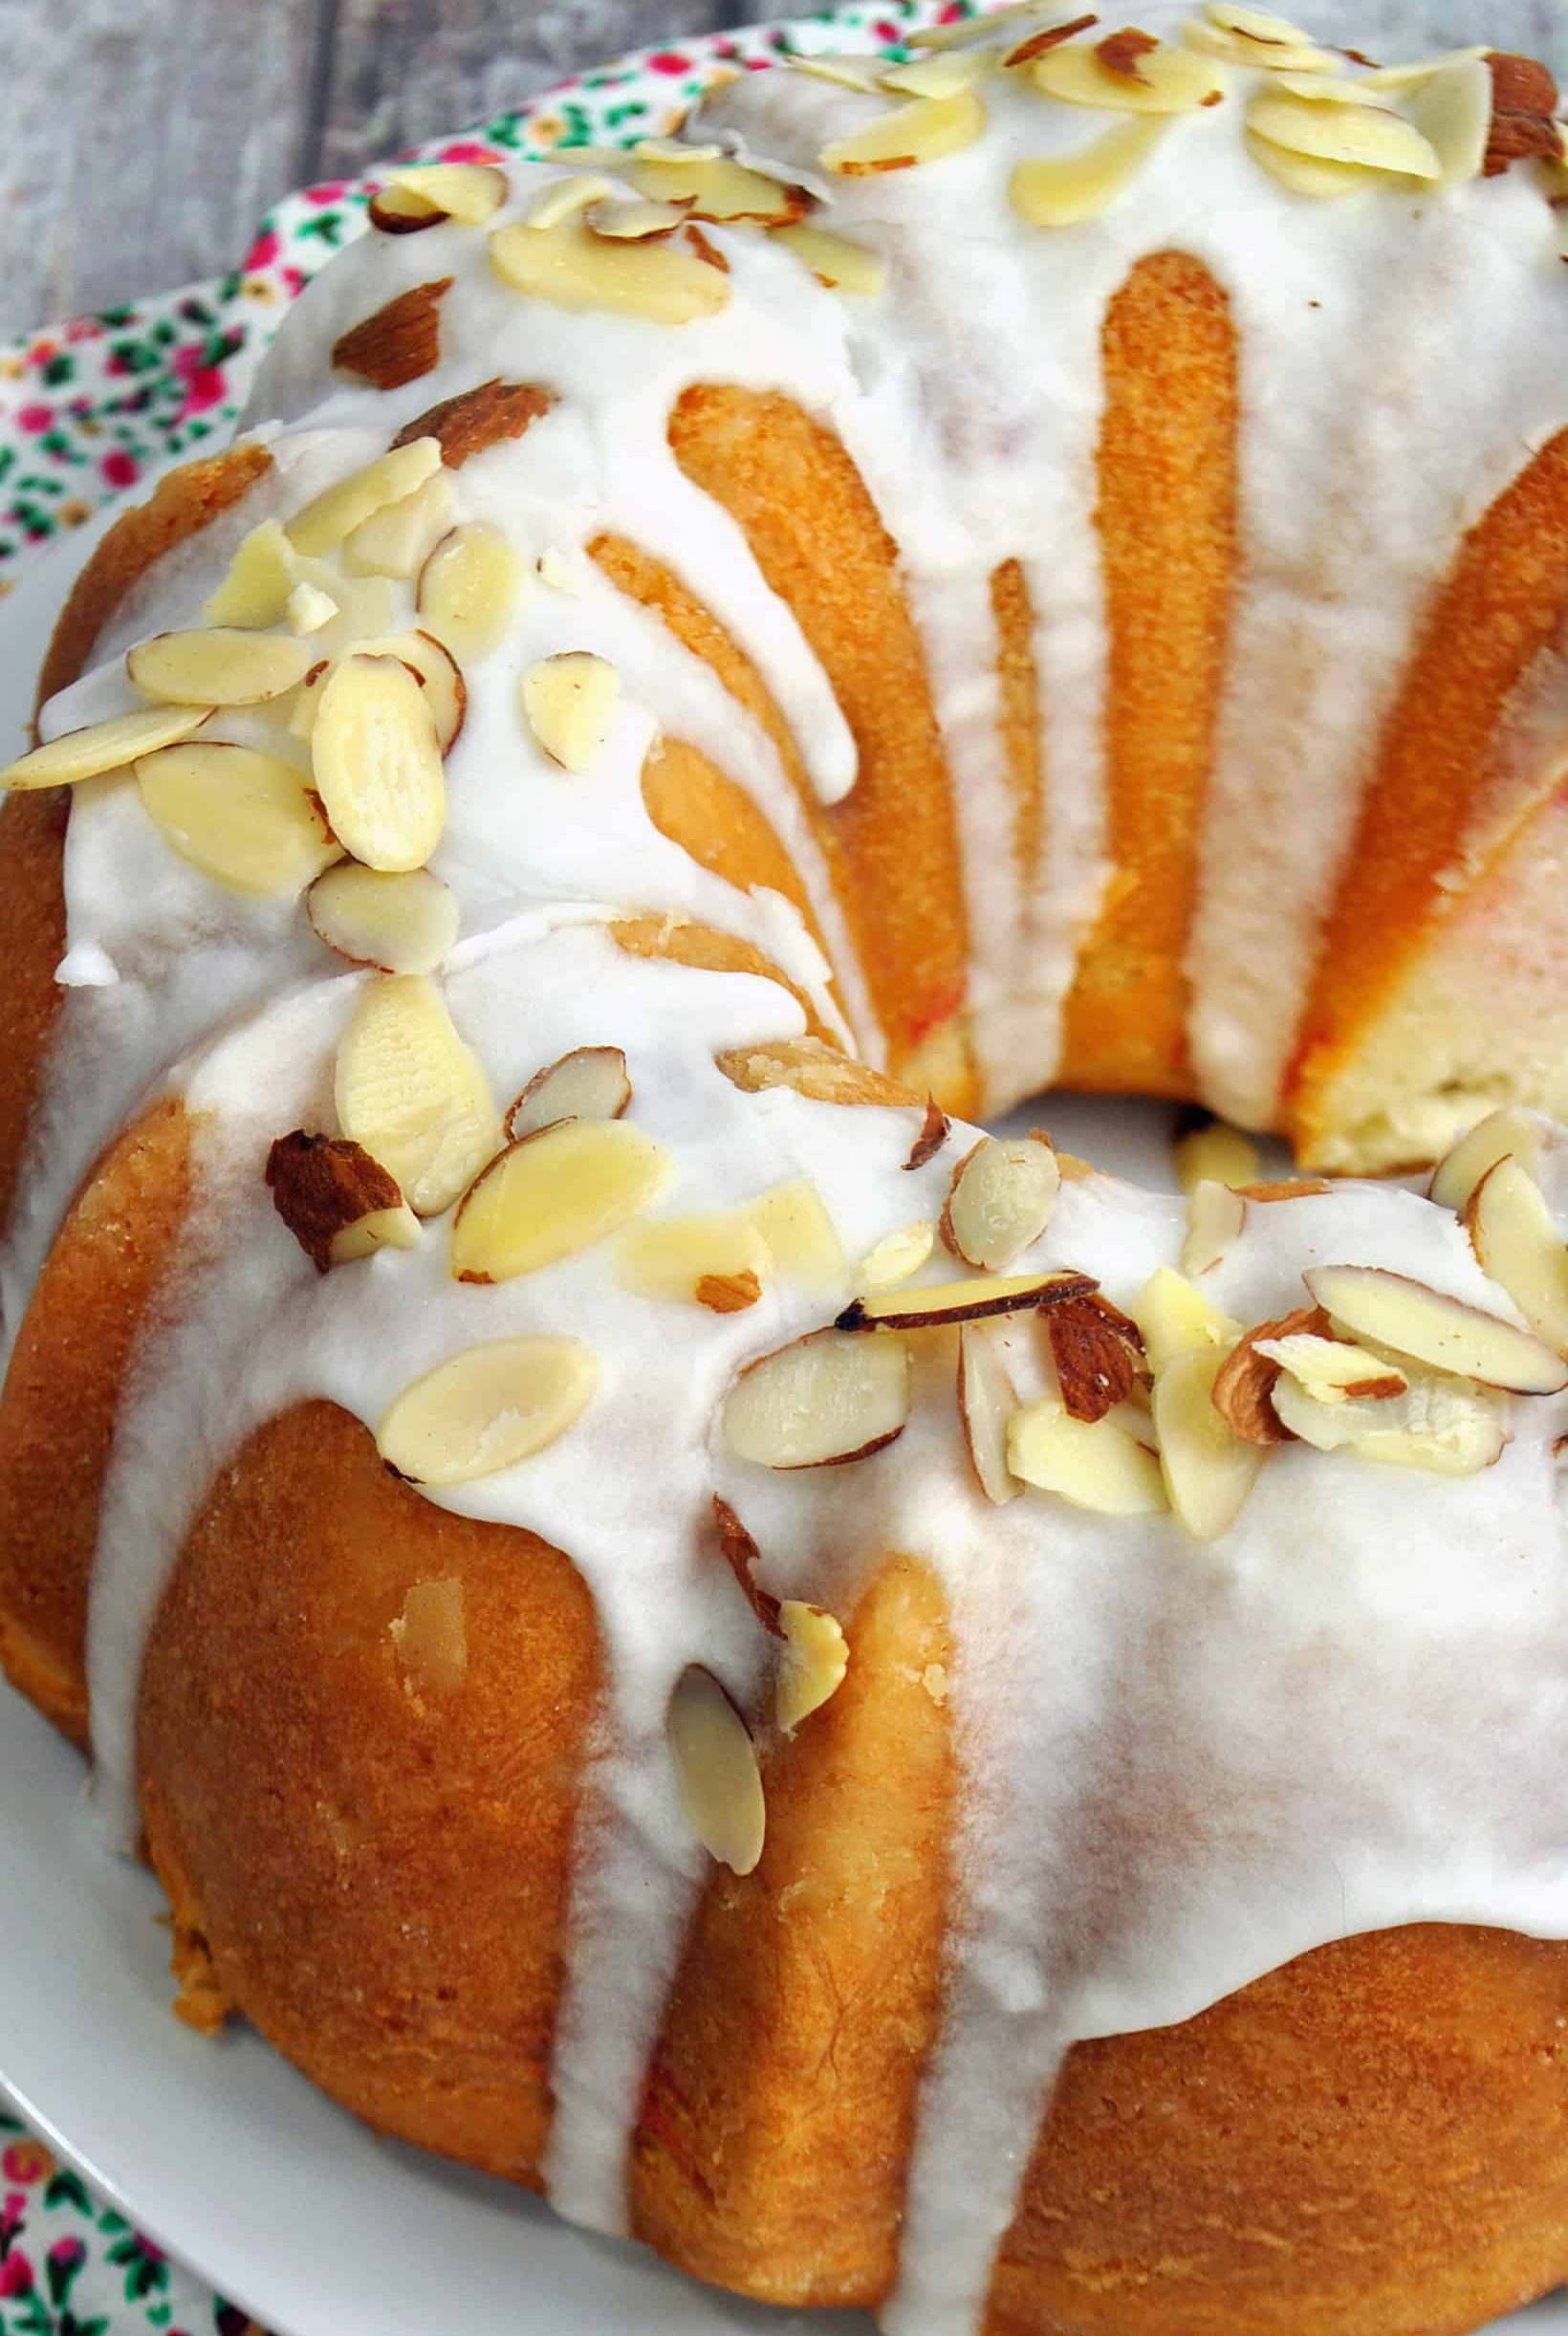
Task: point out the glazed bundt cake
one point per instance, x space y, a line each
853 1698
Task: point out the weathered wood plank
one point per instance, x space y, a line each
141 141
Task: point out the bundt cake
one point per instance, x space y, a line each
858 1699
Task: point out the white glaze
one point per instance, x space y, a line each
1346 1714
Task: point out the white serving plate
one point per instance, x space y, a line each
220 2151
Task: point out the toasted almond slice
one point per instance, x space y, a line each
835 261
1000 1200
743 1557
1302 175
1445 1333
1417 70
1330 1370
261 576
589 1083
465 191
1060 189
1360 133
935 1130
337 510
709 185
1512 1236
554 1193
896 1256
1169 80
566 199
250 820
662 283
397 539
846 68
828 1397
102 746
1011 20
799 1233
1208 1471
469 588
225 665
669 1256
941 75
728 1293
396 924
337 1202
1098 1355
1506 1135
1216 1216
929 1304
632 219
570 703
986 1401
413 1094
398 210
377 763
1092 1466
1174 1319
1258 55
436 671
487 1409
1214 1153
716 1771
1439 1424
812 1663
925 130
1243 1388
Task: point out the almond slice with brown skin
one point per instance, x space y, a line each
812 1663
102 746
827 1398
337 1202
1216 1216
413 1094
674 1256
1059 190
716 1771
395 924
398 210
986 1401
399 537
743 1557
478 418
710 185
1511 1133
1246 1379
1092 1467
221 666
728 1293
469 589
659 283
377 763
927 130
567 198
1517 1244
436 671
334 513
1047 13
570 701
935 1130
1000 1200
487 1409
1443 1332
1361 135
468 192
1099 1354
800 1236
1168 81
1329 1369
250 820
554 1193
896 1256
401 342
1209 1470
929 1305
1439 1424
1304 174
589 1083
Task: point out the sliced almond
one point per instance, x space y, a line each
338 1203
671 1257
716 1771
1169 80
931 1304
812 1663
1174 1319
1000 1200
1285 1187
488 1408
248 819
1439 1424
728 1293
1330 1370
1523 126
985 27
308 609
1360 133
435 670
469 588
1417 70
1058 190
567 199
468 192
413 1094
224 665
1098 1355
1244 1383
800 1236
986 1401
400 343
377 763
935 1130
709 185
478 418
261 576
1255 24
397 539
102 746
1445 1333
570 701
398 210
1208 1470
554 1193
1303 175
1093 1467
835 261
941 75
1327 89
1506 1135
1216 1216
589 1083
896 1256
1049 37
630 219
1215 1153
1517 1244
396 924
337 510
846 68
927 130
829 1397
1258 55
743 1557
662 283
